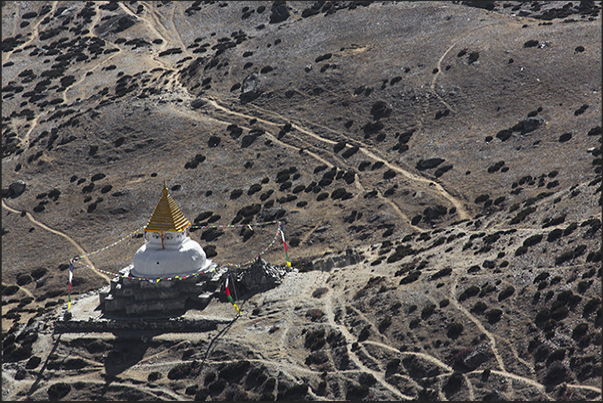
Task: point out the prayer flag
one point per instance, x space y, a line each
70 278
228 293
285 245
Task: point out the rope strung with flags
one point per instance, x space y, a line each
77 259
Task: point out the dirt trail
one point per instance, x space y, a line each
170 36
147 23
95 20
460 208
330 314
479 325
34 35
177 35
463 214
435 77
85 77
150 25
67 237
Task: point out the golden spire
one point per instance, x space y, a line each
167 216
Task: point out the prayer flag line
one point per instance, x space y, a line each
76 259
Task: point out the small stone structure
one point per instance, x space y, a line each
260 276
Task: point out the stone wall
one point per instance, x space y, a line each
177 325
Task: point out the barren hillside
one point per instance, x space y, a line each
452 148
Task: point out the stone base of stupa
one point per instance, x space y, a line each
134 297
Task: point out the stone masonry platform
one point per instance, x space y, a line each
134 297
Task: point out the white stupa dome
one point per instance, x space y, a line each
168 251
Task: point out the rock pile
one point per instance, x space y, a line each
259 277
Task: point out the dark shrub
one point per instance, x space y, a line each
180 371
521 251
319 292
33 362
235 194
10 289
453 384
339 146
295 392
201 395
469 292
533 240
317 357
366 379
494 315
532 43
580 331
556 373
314 314
356 392
216 387
441 273
479 307
58 390
392 367
454 330
364 333
235 371
591 306
384 324
322 196
315 339
411 277
554 235
427 311
522 215
23 279
507 292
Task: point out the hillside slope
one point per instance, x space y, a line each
455 147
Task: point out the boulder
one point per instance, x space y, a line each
198 103
279 13
477 356
251 88
16 189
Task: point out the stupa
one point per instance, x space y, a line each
168 255
168 250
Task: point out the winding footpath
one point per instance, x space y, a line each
59 233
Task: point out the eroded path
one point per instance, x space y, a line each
463 214
61 234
